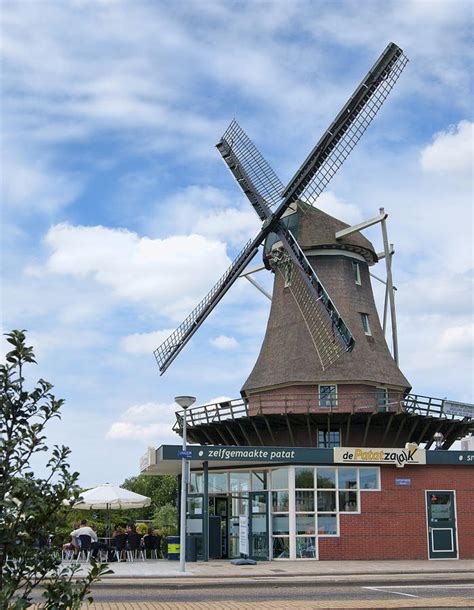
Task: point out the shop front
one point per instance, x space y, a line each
308 504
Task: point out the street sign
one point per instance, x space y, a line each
187 455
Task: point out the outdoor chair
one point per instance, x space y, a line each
151 545
85 552
119 542
134 549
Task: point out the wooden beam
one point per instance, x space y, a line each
387 428
425 429
244 432
290 430
367 425
257 431
348 428
400 427
270 431
231 432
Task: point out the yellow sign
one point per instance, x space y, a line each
399 457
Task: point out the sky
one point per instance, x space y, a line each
118 214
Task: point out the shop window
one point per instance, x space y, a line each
326 501
259 481
280 525
280 501
348 502
196 484
329 438
305 524
280 478
369 478
304 501
304 478
195 506
239 505
218 482
327 525
365 324
306 547
347 478
326 478
356 270
281 547
327 396
239 481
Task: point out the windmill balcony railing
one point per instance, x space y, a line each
211 414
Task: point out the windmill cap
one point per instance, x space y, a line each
317 229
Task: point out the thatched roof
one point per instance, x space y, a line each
317 229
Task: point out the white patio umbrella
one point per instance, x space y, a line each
110 497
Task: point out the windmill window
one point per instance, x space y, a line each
328 395
381 396
365 324
356 269
329 438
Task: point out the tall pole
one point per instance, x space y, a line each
182 526
391 295
184 402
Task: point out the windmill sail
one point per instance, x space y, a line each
347 128
329 333
254 175
170 348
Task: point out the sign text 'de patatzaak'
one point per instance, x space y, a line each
399 457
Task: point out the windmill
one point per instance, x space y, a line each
277 208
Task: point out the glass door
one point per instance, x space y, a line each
441 517
221 510
258 525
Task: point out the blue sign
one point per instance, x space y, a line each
402 481
187 455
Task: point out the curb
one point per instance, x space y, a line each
274 581
444 574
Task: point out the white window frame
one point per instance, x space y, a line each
356 269
365 324
331 397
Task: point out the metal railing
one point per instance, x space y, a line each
205 415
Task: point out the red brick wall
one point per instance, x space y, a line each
392 523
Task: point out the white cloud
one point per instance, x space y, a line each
337 207
223 342
459 338
208 211
30 182
148 422
168 276
144 343
451 151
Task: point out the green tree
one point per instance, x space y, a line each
30 506
166 519
162 490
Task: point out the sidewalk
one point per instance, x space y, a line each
290 572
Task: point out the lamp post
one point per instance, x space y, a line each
184 402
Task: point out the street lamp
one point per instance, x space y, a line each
184 402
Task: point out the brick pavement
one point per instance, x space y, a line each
439 602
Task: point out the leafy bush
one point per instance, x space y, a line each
31 507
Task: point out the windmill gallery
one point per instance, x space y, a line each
307 463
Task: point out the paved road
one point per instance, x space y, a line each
273 596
